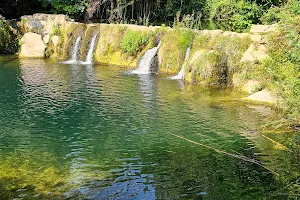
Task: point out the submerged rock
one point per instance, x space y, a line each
33 46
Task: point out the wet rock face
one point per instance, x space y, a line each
33 46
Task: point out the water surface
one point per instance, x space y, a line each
97 132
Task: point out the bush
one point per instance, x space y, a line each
133 42
8 38
282 68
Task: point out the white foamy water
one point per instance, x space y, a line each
146 61
90 55
75 52
180 75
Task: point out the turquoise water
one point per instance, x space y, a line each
96 132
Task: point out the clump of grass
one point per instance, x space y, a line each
173 49
220 58
205 68
133 42
109 42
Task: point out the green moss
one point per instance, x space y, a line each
173 49
225 55
133 42
205 68
109 48
70 35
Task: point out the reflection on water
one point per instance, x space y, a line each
93 132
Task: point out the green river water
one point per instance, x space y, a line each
97 132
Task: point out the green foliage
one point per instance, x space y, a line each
239 13
74 8
56 30
282 68
218 58
133 42
8 38
173 49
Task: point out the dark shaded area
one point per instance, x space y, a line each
14 9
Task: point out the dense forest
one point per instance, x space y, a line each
238 15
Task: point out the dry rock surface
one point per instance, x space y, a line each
33 46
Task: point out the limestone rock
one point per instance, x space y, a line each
33 46
241 35
262 96
46 39
254 54
251 86
228 33
55 40
212 33
262 29
44 23
256 38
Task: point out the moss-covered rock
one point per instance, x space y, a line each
9 36
173 49
109 49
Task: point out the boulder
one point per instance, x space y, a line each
251 86
55 40
212 33
46 39
228 33
262 29
44 23
255 54
256 38
241 35
262 96
33 46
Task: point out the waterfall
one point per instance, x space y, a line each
75 52
89 57
146 61
180 75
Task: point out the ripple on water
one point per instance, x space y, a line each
94 132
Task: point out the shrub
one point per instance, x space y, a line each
282 68
133 42
8 38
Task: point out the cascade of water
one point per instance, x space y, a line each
89 57
146 61
75 52
180 75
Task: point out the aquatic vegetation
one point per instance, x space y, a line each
36 175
